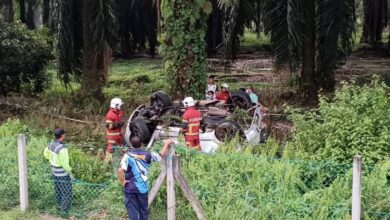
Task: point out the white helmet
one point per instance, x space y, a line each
225 85
116 103
188 102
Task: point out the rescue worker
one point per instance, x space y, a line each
133 175
191 124
57 154
224 94
114 124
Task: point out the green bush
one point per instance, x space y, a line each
23 57
355 121
88 168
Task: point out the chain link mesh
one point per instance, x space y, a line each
228 185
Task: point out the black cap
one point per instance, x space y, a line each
59 132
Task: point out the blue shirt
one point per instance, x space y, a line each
254 98
136 164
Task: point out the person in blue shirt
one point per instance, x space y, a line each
133 174
252 95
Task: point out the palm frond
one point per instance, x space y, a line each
102 25
335 28
276 26
69 54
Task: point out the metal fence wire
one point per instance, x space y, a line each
228 186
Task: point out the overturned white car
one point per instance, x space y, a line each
162 119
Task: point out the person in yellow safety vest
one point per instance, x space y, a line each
57 154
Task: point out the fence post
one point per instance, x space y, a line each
171 204
22 161
356 188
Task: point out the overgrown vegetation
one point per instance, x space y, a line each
23 57
184 48
355 121
259 186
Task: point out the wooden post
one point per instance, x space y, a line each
200 214
22 161
170 168
171 205
356 188
157 185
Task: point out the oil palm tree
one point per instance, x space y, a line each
314 36
86 35
7 10
375 20
98 39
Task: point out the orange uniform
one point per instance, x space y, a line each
223 96
191 127
114 127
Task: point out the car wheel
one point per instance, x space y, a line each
240 99
263 137
227 130
161 100
139 128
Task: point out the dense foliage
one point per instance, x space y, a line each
184 48
229 184
355 121
23 57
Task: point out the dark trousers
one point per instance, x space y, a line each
63 191
137 205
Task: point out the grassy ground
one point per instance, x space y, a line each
16 214
250 39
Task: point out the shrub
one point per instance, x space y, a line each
355 121
23 56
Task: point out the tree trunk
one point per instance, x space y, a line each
7 10
30 21
258 20
308 81
22 10
374 21
95 63
214 35
46 13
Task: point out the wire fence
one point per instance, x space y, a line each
228 185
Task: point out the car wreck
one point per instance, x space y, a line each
161 119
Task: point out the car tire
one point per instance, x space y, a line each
240 99
139 128
263 137
160 99
227 130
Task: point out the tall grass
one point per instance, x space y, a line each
246 184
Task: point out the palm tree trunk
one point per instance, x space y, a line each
258 20
7 9
22 10
95 63
308 80
30 21
374 21
46 12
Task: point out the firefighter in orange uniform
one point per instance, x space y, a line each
114 124
191 124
